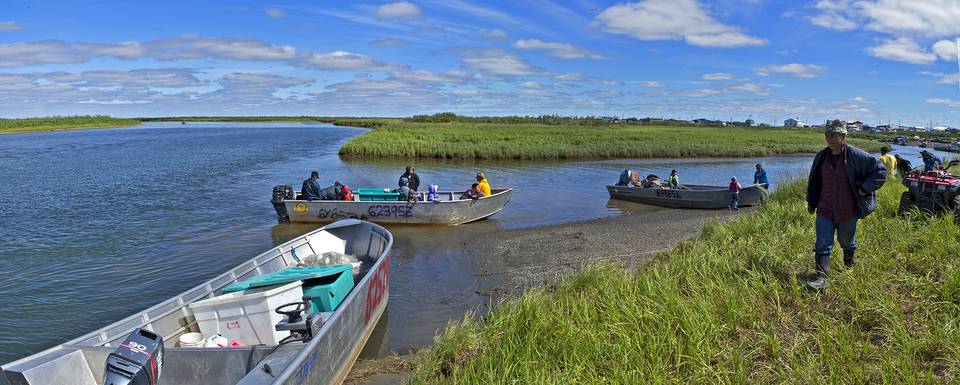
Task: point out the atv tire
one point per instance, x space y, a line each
956 208
906 204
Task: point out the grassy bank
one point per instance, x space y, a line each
62 123
339 121
464 140
730 307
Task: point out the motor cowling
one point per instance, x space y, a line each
280 194
138 360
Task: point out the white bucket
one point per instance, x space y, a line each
191 340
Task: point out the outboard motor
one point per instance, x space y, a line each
300 321
280 194
137 361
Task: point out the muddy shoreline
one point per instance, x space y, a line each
510 261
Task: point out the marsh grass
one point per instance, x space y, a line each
62 122
460 140
730 307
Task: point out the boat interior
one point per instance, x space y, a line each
82 361
443 196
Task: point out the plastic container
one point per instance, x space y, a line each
191 340
324 286
247 316
373 194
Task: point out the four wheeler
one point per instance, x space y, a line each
932 191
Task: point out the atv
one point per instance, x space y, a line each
931 191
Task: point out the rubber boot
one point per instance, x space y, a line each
823 267
848 260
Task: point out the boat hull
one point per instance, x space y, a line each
325 359
694 197
446 212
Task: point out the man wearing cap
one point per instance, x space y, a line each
840 190
930 162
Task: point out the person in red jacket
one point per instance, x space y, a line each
734 193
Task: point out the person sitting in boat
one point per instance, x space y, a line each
311 190
930 162
472 193
674 180
332 193
629 178
414 179
484 186
406 193
652 181
432 195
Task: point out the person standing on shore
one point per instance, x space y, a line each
888 161
412 177
674 180
930 162
311 190
840 190
903 165
760 177
483 186
735 193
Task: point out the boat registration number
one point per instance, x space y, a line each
390 211
669 194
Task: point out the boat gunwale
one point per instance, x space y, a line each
493 195
76 343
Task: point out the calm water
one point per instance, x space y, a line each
97 224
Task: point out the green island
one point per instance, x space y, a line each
730 307
9 126
450 136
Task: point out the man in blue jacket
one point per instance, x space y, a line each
311 190
841 190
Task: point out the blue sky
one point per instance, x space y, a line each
872 60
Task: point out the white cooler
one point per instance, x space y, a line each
246 316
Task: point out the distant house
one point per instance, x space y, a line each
888 127
854 125
793 122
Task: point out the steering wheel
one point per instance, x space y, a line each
292 310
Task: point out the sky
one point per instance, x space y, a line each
878 61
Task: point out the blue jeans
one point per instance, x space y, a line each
734 199
846 236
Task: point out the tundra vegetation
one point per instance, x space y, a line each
62 123
730 307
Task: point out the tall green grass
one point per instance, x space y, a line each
459 140
729 307
62 122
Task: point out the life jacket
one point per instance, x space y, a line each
345 193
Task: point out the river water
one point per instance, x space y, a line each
97 224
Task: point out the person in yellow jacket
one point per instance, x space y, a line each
484 186
888 161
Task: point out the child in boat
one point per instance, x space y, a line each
674 180
482 185
472 193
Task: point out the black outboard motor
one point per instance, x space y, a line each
137 361
280 194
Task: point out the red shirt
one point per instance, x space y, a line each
836 198
734 187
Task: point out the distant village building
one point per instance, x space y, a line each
793 122
888 127
749 123
854 125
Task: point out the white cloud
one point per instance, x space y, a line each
401 10
648 83
748 87
338 60
10 26
275 13
570 77
531 84
947 102
496 33
803 71
672 20
559 50
41 52
496 61
903 49
200 47
695 93
932 18
464 93
953 78
389 41
946 50
832 21
123 50
717 76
